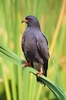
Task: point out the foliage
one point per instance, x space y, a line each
11 56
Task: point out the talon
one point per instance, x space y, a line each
23 67
26 64
39 73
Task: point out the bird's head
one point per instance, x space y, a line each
31 21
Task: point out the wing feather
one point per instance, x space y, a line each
42 46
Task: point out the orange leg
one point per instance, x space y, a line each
26 64
40 72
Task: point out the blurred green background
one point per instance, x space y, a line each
16 84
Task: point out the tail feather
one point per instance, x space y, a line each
45 66
38 80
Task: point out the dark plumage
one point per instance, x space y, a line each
35 46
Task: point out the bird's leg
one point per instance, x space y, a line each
26 64
40 72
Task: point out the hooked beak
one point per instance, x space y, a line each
25 20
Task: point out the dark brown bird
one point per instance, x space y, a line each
35 46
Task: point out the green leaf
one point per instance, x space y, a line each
11 56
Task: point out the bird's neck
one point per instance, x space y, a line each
34 27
